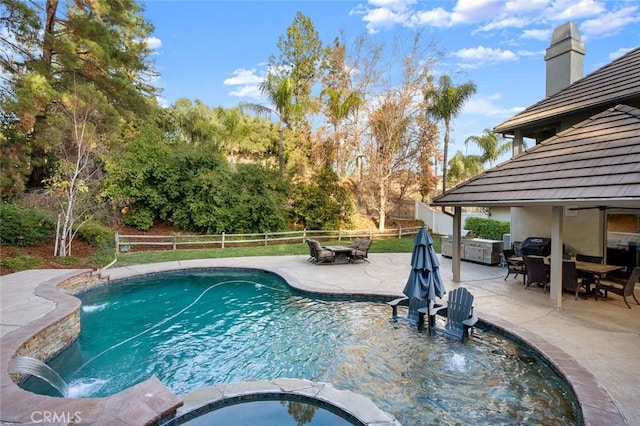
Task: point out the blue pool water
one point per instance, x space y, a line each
199 328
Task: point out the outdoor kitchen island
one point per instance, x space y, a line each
476 250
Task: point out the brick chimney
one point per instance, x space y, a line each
564 58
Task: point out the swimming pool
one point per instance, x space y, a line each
198 328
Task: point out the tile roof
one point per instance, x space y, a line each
615 83
596 162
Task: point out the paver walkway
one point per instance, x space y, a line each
603 336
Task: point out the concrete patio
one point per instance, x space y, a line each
601 336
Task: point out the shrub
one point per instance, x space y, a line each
322 204
23 227
100 237
96 234
141 218
490 229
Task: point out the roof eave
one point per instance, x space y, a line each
617 202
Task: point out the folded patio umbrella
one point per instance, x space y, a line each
424 282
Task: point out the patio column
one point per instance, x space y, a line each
457 233
557 222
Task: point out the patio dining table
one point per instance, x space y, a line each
342 253
597 269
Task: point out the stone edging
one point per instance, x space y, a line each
202 400
143 404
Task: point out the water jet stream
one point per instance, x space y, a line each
37 368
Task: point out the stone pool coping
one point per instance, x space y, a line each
201 400
150 402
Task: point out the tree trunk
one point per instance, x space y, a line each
337 142
47 46
281 148
444 156
383 207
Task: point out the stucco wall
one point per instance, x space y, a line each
581 228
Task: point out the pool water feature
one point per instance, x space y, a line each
199 328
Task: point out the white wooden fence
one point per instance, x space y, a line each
126 243
439 222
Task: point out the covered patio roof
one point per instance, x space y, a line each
594 163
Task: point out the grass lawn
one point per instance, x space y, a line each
391 245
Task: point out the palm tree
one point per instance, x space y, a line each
279 91
339 108
445 102
463 167
493 145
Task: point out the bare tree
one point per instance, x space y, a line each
397 132
78 130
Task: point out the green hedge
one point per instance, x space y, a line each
23 227
490 229
96 234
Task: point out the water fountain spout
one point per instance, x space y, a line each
37 368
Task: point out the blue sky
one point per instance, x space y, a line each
217 51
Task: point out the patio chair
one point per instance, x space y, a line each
537 271
312 251
587 258
322 255
412 305
362 251
459 313
620 287
571 281
513 266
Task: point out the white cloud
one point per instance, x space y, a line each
162 102
497 14
382 18
243 76
529 53
611 23
437 17
247 91
616 54
396 5
489 106
570 10
523 6
470 11
246 82
153 43
474 57
536 34
505 22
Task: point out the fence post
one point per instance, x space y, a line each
175 240
265 239
222 245
340 234
304 235
400 232
117 243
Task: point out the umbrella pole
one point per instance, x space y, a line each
430 321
